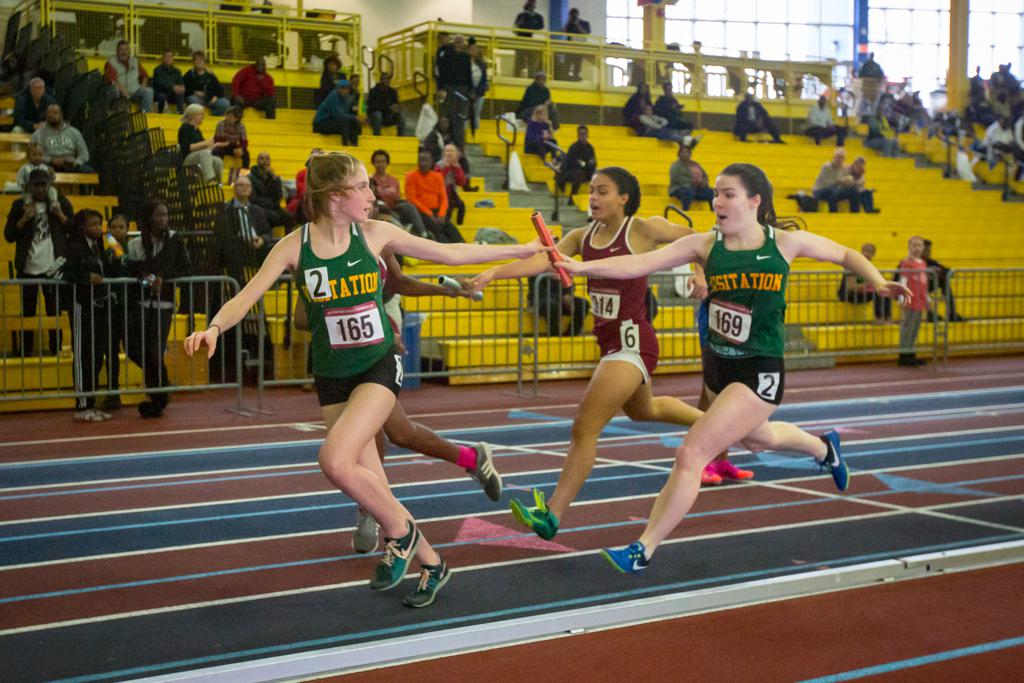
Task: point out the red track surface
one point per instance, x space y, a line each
778 641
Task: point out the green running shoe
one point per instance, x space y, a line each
540 519
398 552
432 579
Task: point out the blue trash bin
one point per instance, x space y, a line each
411 325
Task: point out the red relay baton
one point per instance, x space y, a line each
545 238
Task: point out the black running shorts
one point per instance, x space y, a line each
386 372
765 375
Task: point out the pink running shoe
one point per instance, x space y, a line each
726 470
708 476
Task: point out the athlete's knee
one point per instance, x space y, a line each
690 457
401 436
336 467
640 413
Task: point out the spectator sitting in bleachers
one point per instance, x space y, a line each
579 164
752 117
328 78
940 282
30 107
668 108
880 137
38 229
90 311
168 84
63 146
231 130
652 126
835 184
197 151
538 134
1018 145
158 255
636 105
129 77
268 192
334 115
854 290
253 87
439 136
867 197
820 124
687 180
454 177
537 94
980 111
382 106
242 231
424 188
202 86
385 188
34 160
911 111
998 141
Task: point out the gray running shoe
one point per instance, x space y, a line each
366 536
485 473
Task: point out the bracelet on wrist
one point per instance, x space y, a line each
211 325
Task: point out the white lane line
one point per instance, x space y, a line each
542 448
305 424
492 565
531 449
504 511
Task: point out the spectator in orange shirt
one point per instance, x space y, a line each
253 87
424 188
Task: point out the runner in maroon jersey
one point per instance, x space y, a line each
629 348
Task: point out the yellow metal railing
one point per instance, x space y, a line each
287 37
590 63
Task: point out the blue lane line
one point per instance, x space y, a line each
453 544
793 413
925 660
296 509
510 613
1006 437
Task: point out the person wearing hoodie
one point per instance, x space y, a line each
63 146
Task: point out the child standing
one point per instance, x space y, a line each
913 274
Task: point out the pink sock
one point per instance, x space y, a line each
467 458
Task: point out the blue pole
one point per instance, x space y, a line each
860 31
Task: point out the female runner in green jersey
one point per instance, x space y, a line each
746 263
355 367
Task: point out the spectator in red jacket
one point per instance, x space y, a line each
253 87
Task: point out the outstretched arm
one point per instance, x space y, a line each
281 258
536 264
686 250
386 234
809 245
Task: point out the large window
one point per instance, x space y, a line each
798 30
910 38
